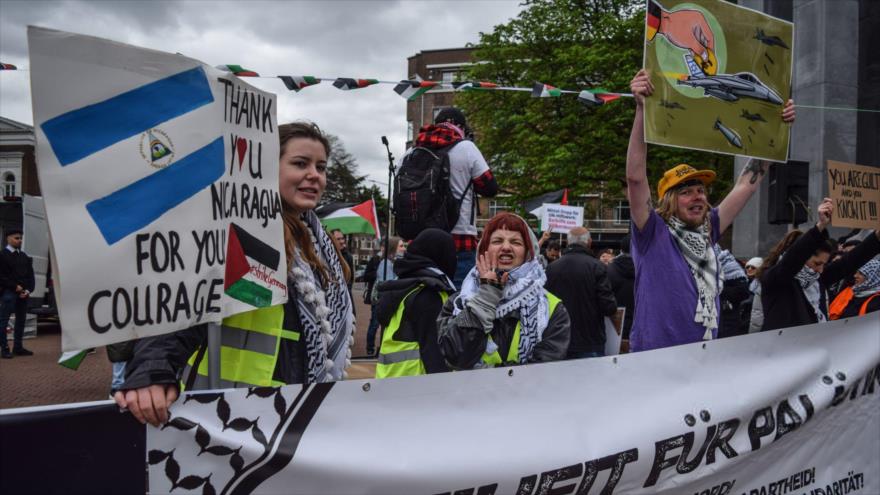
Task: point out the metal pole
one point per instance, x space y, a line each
388 207
214 355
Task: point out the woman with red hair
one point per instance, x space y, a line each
503 316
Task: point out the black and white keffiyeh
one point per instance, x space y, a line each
808 279
700 257
524 292
326 314
871 284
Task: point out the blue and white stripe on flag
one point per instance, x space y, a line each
80 133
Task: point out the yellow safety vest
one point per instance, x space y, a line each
396 357
249 344
494 359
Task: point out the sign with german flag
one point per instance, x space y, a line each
160 178
721 75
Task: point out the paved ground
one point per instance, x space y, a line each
38 380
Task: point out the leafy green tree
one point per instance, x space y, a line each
541 144
343 182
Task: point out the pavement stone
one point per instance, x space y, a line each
39 380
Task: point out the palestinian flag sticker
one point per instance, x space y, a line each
250 264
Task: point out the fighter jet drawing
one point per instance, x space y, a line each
672 105
752 116
732 87
769 40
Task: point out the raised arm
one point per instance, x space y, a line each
749 181
638 191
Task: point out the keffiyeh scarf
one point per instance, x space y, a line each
700 257
871 285
808 279
325 314
524 292
731 270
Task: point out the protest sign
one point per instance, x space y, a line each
855 191
160 177
561 218
721 76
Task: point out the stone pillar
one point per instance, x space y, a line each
825 74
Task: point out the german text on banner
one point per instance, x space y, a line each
561 218
160 177
796 411
721 74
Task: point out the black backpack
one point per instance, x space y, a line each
423 195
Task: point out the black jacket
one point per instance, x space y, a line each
581 282
16 269
733 294
463 338
162 359
622 276
781 296
856 303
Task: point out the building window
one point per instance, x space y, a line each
497 206
9 184
621 212
448 76
410 131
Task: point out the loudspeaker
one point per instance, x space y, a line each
789 190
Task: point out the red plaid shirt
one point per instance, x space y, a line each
465 242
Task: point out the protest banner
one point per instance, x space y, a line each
160 177
855 191
561 218
721 76
791 411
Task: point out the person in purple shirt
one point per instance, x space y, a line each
677 278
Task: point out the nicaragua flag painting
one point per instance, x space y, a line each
151 166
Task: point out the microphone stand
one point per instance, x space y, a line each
391 170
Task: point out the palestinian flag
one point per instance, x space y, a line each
242 250
358 219
411 89
72 359
296 83
347 84
596 97
7 66
541 90
465 85
238 70
535 205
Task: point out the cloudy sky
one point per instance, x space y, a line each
370 39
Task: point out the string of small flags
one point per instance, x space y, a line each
411 89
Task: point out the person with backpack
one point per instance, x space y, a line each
408 307
436 184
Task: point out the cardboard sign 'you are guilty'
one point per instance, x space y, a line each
855 191
160 178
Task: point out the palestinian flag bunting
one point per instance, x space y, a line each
596 97
296 83
411 89
358 219
541 90
347 84
238 70
465 85
241 249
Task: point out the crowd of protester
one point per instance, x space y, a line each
464 299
